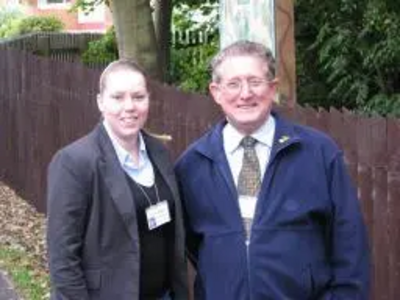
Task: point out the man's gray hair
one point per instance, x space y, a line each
244 48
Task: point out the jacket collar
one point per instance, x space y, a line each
156 151
116 183
211 145
115 178
160 158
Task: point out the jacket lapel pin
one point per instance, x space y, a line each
283 139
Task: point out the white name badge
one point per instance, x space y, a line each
158 215
247 205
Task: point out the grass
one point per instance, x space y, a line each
29 279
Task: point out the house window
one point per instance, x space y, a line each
54 4
95 16
11 3
58 1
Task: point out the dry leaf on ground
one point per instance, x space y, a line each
22 226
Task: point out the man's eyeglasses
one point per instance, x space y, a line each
235 86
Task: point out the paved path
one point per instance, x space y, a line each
6 290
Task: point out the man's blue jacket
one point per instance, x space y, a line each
308 239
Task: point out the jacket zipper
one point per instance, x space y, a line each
248 243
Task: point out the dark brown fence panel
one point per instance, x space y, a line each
394 208
380 234
45 104
183 116
364 177
58 45
335 125
377 161
349 142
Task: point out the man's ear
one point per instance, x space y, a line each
215 91
99 101
275 85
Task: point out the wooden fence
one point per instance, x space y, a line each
45 104
69 46
49 42
59 45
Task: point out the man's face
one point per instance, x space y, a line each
124 103
244 92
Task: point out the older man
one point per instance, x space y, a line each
271 211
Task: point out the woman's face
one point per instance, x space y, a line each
124 103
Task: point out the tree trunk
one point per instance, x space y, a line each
135 33
162 16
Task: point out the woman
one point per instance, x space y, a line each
115 227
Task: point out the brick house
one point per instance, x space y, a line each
97 21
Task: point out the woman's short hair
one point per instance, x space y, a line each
118 65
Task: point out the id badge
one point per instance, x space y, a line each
158 215
247 205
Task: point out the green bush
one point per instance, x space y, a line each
9 20
102 51
7 14
348 54
10 28
13 23
40 24
189 63
383 105
189 69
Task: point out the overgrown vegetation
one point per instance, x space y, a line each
40 24
28 278
189 68
101 51
9 19
348 54
14 23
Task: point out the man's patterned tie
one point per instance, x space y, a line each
249 180
249 176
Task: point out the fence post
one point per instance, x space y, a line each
43 45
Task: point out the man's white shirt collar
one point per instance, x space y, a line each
264 135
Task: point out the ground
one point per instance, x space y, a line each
22 247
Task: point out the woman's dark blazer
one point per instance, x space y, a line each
92 233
